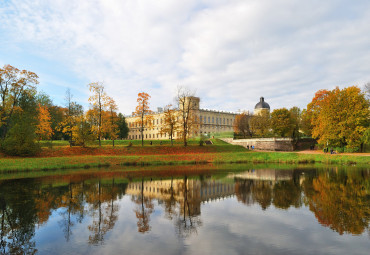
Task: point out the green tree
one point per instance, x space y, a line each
14 84
21 137
122 126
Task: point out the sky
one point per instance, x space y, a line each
230 52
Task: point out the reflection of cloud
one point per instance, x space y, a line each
223 48
270 232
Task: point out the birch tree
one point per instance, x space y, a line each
187 103
99 101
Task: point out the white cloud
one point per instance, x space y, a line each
232 52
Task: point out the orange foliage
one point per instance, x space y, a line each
43 128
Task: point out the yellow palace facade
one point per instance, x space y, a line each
209 121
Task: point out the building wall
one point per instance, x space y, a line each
209 122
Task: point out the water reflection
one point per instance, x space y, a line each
339 199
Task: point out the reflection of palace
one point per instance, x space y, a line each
265 175
195 191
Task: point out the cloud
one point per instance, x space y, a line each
232 52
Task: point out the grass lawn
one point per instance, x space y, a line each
64 157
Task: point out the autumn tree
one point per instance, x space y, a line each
241 124
99 101
43 128
260 124
306 126
72 112
143 112
282 122
339 117
111 128
14 84
82 131
188 106
170 125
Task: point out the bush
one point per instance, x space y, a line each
20 141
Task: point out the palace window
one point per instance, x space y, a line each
209 120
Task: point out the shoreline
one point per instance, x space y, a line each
179 156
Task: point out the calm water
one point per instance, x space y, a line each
188 211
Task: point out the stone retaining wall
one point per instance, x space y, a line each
269 144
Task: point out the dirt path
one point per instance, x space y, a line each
321 152
318 152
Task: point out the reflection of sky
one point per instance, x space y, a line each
228 227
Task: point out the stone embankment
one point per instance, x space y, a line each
266 144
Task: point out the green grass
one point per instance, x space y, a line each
218 153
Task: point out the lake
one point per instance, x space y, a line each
228 209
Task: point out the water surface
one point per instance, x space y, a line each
188 210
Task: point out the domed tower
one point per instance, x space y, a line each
261 106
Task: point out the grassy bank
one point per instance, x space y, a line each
218 153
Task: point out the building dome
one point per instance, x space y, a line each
262 104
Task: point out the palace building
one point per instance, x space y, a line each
209 122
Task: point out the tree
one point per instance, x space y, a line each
188 106
367 90
14 84
170 125
72 112
260 124
339 117
241 124
281 122
306 126
143 112
82 131
99 101
20 139
122 126
111 123
43 128
296 117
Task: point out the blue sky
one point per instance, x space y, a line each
230 51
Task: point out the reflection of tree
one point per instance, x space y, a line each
104 212
283 194
18 218
25 203
243 191
188 220
263 194
286 194
143 211
170 203
339 202
73 202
